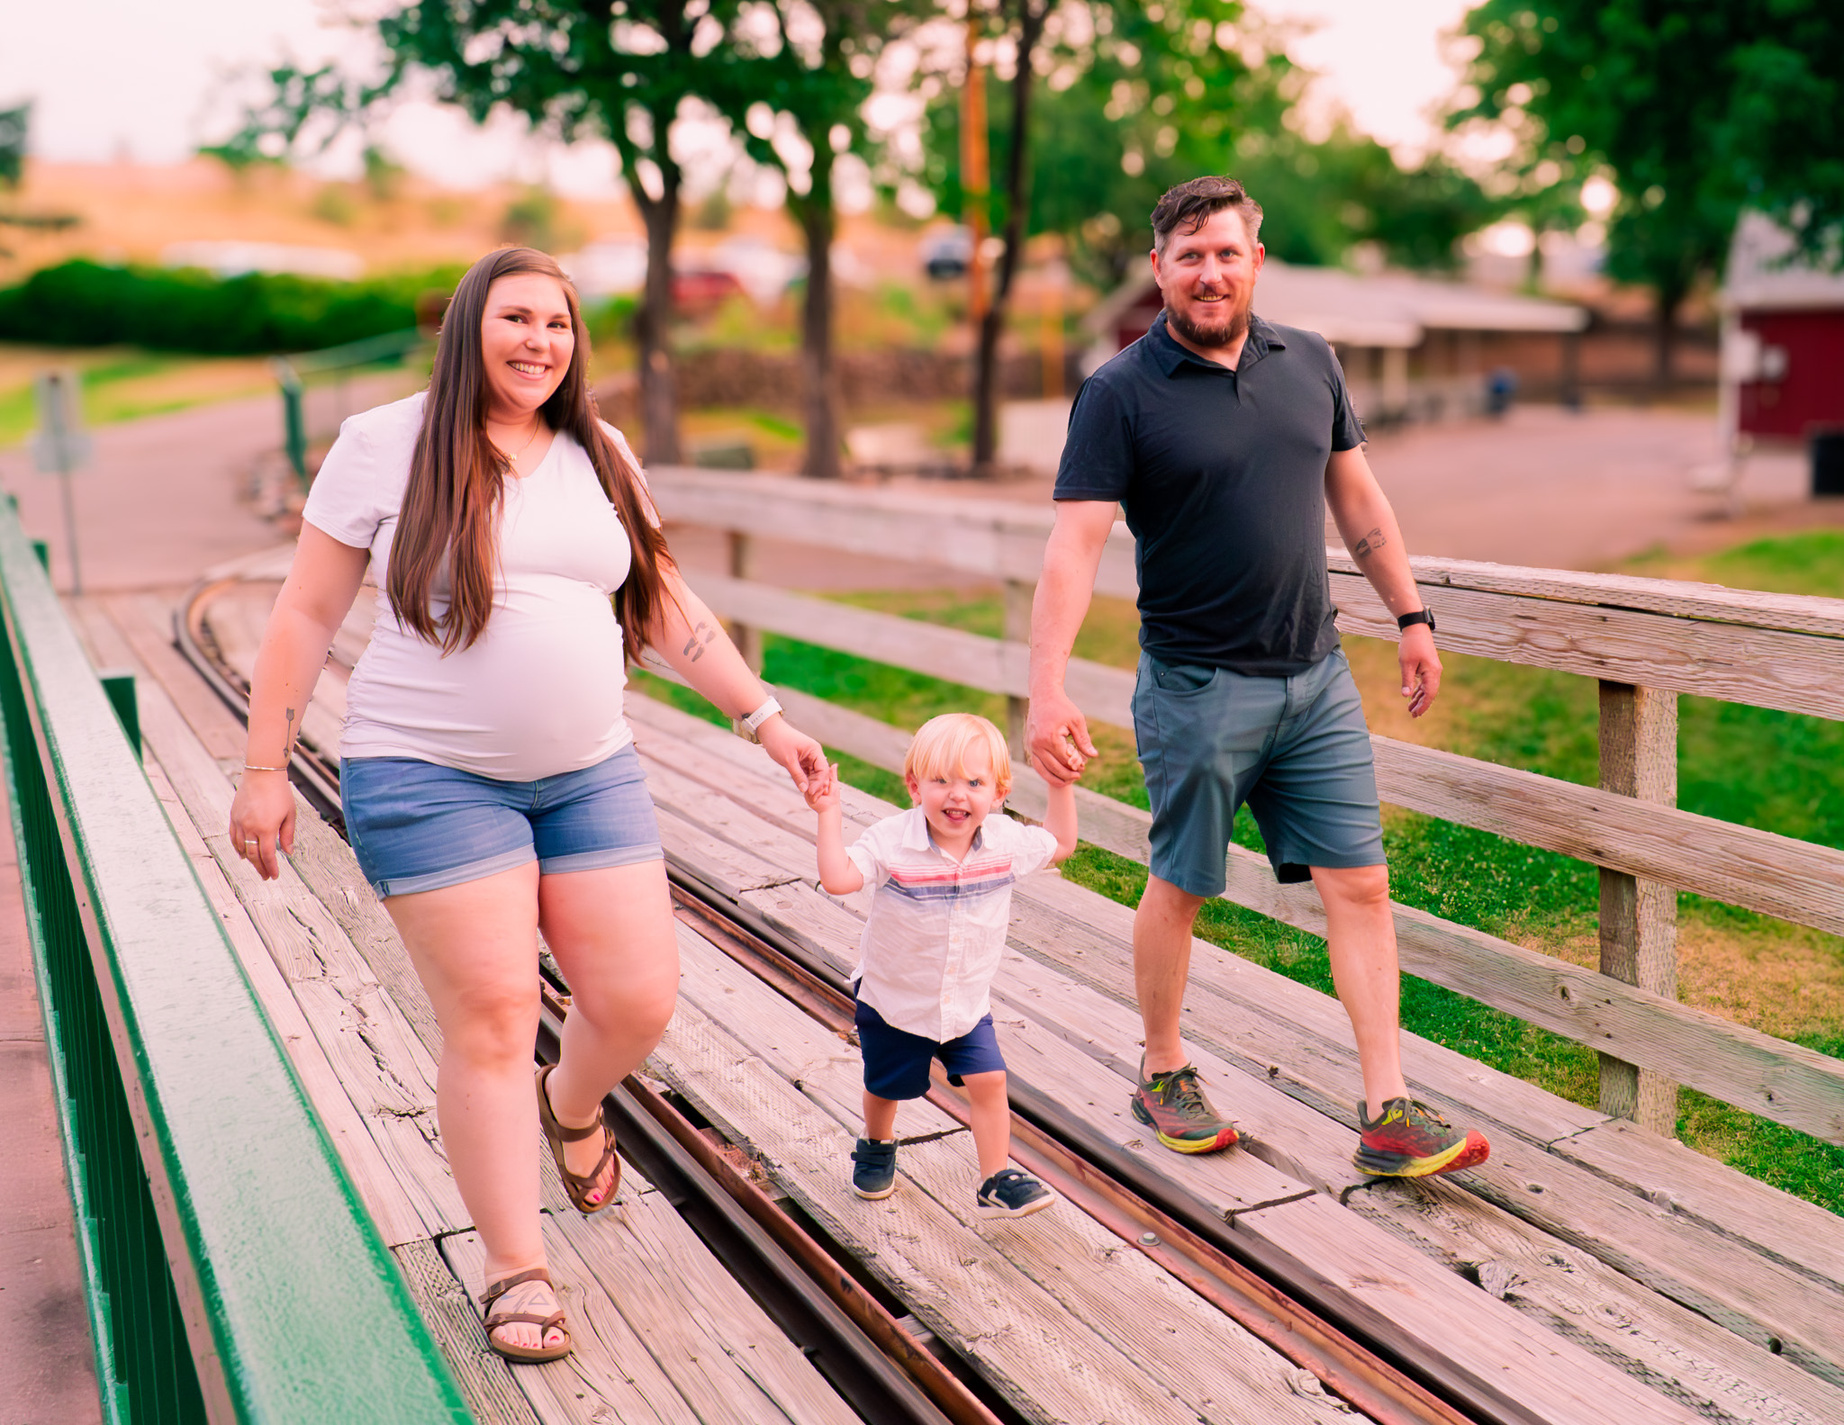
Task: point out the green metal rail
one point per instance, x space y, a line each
232 1273
292 373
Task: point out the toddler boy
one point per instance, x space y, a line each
943 872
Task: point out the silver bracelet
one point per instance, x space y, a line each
252 767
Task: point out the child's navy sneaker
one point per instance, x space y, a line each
874 1168
1012 1192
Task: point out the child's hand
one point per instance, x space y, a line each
823 791
1037 766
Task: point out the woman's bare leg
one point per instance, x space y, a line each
475 947
612 933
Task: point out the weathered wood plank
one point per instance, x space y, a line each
610 1376
721 1351
1628 1233
1802 1236
391 1207
1776 875
1483 1337
1776 1079
1043 1360
454 1321
1764 667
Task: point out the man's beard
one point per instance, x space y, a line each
1226 333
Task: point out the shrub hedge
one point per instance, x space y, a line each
84 303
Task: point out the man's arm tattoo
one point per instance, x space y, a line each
1369 544
702 637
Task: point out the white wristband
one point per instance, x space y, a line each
751 725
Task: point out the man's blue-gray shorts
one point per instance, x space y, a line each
896 1061
1296 749
415 826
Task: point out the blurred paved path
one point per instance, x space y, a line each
162 500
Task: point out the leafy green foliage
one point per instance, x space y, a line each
1700 110
83 303
1162 93
13 126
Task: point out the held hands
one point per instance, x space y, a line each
804 758
822 790
263 815
1056 736
1421 668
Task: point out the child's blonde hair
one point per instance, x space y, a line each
941 744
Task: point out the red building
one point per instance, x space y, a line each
1782 340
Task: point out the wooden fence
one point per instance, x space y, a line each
1644 640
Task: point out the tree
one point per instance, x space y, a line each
1101 90
13 124
619 69
813 62
1699 111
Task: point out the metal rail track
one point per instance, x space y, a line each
890 1373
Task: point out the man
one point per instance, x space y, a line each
1225 438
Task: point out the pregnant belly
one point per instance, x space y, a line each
539 695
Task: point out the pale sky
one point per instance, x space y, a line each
153 81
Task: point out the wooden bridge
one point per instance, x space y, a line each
1593 1270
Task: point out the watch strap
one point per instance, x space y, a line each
1426 616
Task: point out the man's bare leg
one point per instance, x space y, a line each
1161 965
1361 940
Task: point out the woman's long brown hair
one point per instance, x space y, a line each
450 514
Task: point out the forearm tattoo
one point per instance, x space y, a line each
701 638
1369 544
288 742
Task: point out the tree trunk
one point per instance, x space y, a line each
819 368
1017 201
1670 295
659 394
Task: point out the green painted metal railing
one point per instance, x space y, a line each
292 373
232 1272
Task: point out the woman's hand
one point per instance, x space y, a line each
263 814
804 758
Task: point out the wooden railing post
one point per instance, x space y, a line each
1018 596
748 640
1639 919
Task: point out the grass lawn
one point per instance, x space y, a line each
1780 772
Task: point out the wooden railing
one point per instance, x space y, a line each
230 1271
1643 640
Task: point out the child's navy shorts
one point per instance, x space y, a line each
896 1061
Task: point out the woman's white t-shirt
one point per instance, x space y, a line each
539 692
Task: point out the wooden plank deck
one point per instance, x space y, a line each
1591 1270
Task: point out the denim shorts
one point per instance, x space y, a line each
1296 749
896 1061
415 826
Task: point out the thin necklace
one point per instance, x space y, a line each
537 424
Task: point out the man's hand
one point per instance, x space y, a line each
804 758
1421 668
1056 735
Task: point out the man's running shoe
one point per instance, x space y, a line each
1410 1140
874 1168
1174 1107
1012 1192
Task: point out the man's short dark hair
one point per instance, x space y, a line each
1190 205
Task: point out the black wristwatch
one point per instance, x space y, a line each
1419 616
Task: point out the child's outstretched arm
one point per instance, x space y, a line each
1060 818
837 873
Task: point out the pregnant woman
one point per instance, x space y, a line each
489 779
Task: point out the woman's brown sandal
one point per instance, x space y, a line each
579 1186
530 1355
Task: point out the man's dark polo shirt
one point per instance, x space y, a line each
1222 477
